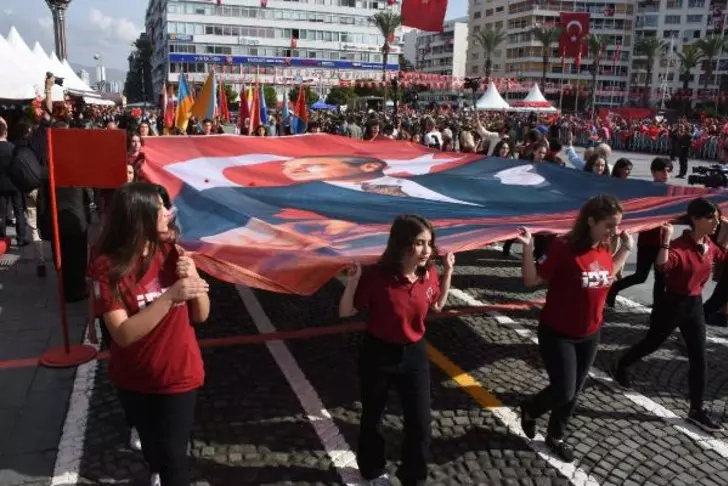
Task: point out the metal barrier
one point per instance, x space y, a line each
640 142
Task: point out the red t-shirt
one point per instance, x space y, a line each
397 308
577 288
168 359
688 267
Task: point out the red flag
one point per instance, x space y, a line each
294 43
255 108
617 52
67 146
425 15
169 110
244 112
223 102
574 27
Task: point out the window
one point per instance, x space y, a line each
696 3
498 9
476 15
489 12
695 19
672 19
474 55
669 34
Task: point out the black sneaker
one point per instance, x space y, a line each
560 449
620 376
611 300
528 424
701 419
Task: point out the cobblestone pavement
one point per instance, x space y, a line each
253 427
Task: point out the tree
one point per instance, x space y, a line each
547 36
596 44
405 65
711 47
271 97
649 48
690 57
362 90
489 40
230 94
387 22
138 85
311 96
340 95
134 85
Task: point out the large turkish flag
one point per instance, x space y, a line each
574 27
424 14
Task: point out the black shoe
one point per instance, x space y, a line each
620 376
701 419
528 424
40 270
611 300
559 447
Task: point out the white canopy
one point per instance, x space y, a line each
491 100
534 101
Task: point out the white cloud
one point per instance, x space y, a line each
119 30
45 22
8 12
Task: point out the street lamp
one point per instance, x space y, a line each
58 10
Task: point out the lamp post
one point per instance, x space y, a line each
58 9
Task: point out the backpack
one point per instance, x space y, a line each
24 170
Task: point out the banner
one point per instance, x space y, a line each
574 28
288 213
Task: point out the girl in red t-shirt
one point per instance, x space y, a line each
148 293
578 269
398 293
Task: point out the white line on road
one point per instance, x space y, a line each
704 440
333 441
70 447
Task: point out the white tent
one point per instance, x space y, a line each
534 101
25 79
491 100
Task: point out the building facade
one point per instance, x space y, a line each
282 42
439 52
622 23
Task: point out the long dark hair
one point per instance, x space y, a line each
405 230
591 162
619 165
131 227
597 208
698 209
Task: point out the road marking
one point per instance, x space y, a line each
333 441
671 418
70 447
509 417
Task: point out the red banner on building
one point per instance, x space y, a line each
574 28
427 15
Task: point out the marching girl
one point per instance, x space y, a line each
687 263
578 269
397 292
149 294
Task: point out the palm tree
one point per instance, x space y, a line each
690 57
547 36
596 44
711 47
649 48
387 22
489 40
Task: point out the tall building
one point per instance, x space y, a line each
282 42
439 52
622 23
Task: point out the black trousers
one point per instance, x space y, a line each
15 200
719 297
646 256
405 368
685 312
74 260
567 361
683 160
164 423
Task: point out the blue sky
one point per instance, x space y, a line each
98 26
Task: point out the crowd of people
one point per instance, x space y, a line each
149 295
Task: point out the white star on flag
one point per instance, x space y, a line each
419 166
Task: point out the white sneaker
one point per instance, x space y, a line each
134 441
154 480
382 480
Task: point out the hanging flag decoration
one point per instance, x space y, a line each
223 111
574 28
206 102
299 120
185 101
428 15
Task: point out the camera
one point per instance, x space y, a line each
59 81
714 176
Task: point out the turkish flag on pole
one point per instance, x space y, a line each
424 14
574 27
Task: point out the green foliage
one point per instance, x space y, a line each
230 94
405 65
339 95
311 96
271 98
361 91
